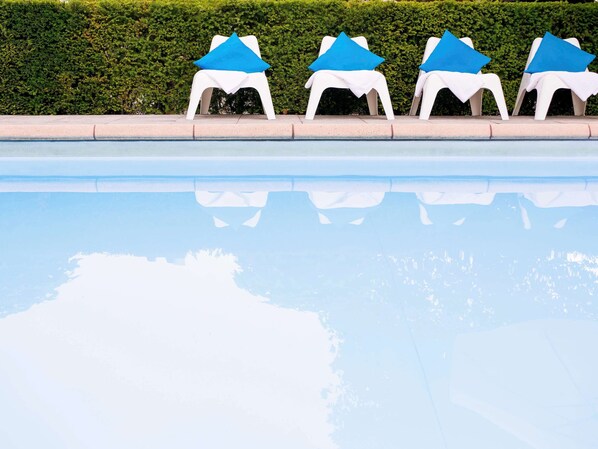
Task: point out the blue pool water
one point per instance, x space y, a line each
301 311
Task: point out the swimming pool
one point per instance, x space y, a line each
328 302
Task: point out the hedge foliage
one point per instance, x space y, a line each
135 56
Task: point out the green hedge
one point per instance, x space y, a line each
135 57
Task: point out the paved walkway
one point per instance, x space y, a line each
290 127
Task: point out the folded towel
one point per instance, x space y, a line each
358 81
584 84
229 81
463 85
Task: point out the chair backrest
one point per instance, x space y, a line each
327 42
538 41
250 41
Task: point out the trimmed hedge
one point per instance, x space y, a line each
135 56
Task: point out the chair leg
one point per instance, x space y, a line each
525 80
314 99
372 97
546 88
475 102
496 88
542 105
206 97
545 94
200 83
519 100
414 105
501 104
579 106
382 89
431 88
264 91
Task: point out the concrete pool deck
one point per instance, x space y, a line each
292 127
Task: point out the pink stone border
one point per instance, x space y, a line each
256 127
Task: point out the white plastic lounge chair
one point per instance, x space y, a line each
466 86
205 81
546 83
369 82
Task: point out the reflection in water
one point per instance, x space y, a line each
344 207
456 315
233 208
555 207
138 353
456 213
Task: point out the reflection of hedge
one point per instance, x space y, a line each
135 56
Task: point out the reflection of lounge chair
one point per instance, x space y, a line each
448 203
546 83
344 207
230 81
233 208
562 205
535 380
465 86
369 82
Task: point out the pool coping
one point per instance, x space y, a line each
292 127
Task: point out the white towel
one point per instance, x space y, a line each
463 85
231 199
229 81
444 198
358 81
579 198
584 84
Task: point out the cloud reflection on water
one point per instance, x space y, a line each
149 354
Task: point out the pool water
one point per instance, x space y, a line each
337 314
